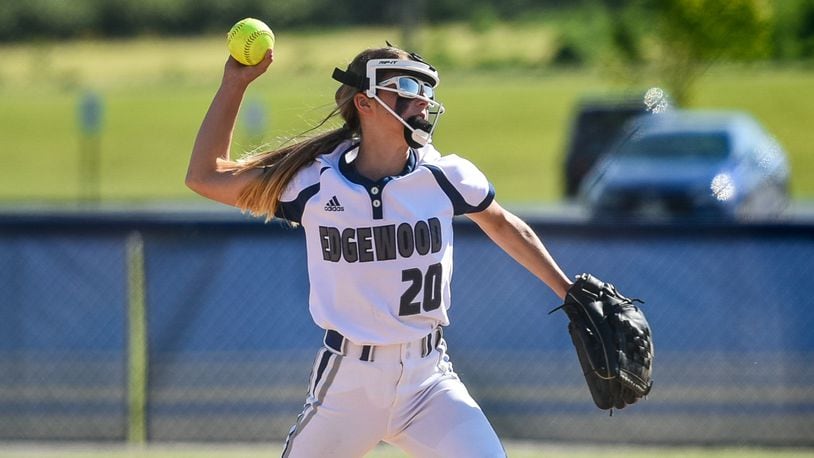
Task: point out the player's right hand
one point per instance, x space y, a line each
236 72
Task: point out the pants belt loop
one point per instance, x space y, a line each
367 353
430 341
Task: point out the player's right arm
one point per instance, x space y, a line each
215 136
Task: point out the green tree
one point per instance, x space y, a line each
676 41
693 34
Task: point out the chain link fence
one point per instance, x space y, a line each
228 342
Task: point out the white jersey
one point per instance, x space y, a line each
380 253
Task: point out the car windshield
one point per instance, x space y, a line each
678 145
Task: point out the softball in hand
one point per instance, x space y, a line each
248 41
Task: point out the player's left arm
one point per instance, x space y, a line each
519 241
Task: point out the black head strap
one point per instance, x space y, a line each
360 81
351 79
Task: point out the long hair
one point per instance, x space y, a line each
262 196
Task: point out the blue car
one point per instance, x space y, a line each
693 164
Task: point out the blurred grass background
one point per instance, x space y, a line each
507 109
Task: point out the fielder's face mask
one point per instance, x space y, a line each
416 80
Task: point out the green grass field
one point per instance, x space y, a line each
504 112
514 450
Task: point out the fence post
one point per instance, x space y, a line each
137 356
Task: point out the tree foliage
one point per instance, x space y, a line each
691 35
37 19
714 29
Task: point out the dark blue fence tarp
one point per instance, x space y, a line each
230 340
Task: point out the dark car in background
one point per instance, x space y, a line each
688 163
595 124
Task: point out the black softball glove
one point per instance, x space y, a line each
613 342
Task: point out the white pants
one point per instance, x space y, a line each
412 402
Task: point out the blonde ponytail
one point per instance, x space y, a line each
261 197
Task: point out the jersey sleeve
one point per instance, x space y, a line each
466 186
303 186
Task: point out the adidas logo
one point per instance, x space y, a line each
333 205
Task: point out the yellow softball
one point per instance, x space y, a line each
248 41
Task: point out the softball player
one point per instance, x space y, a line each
376 201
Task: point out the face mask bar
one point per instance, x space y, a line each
399 66
418 132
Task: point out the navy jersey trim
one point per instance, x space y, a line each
490 196
349 170
459 205
374 188
293 210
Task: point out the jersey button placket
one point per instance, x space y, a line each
376 201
